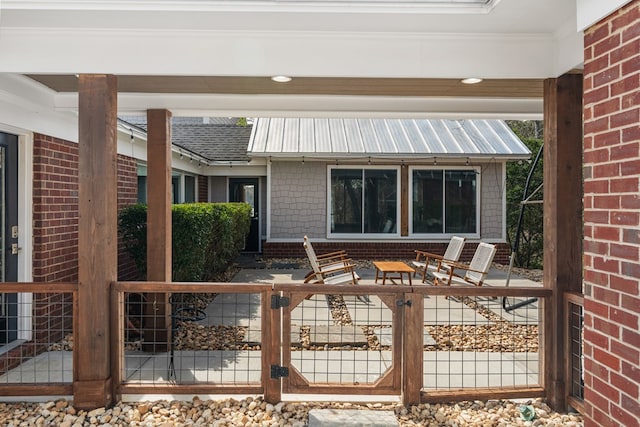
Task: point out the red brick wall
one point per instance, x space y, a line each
375 250
203 189
55 209
612 218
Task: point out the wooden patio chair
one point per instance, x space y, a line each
334 268
331 261
337 273
427 262
476 271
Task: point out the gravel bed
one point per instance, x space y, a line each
253 411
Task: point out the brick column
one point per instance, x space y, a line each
611 218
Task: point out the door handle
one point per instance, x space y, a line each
15 249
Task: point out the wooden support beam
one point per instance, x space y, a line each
157 310
97 239
562 221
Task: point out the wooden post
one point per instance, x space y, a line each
97 239
562 221
412 349
271 347
157 309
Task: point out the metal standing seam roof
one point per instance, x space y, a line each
392 138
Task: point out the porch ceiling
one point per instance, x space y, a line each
358 58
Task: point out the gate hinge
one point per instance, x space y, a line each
278 302
278 371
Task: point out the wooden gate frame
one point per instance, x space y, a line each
398 299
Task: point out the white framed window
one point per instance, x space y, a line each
444 201
183 186
363 201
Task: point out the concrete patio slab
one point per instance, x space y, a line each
337 334
312 311
440 310
234 309
48 367
461 369
529 314
344 367
220 367
351 417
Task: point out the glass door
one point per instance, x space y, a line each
8 235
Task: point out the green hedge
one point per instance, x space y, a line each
205 237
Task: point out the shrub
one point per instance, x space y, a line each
205 237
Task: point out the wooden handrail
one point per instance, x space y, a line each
38 287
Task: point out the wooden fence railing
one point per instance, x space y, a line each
226 338
574 331
48 309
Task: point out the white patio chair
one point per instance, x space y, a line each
476 271
427 262
331 261
338 273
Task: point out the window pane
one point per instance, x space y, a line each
142 189
189 189
175 188
380 201
460 201
427 201
346 201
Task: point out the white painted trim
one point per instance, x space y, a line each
269 200
25 104
370 6
324 106
25 226
445 236
568 49
591 11
266 53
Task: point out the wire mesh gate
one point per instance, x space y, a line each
341 339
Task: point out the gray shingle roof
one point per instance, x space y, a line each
295 137
214 138
213 142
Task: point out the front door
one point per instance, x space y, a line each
247 190
8 235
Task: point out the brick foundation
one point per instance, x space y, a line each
376 250
612 218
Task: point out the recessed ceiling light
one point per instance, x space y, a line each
471 80
281 79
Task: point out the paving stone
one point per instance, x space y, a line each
336 334
351 417
295 334
386 338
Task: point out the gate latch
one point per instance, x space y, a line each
278 302
278 371
400 303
